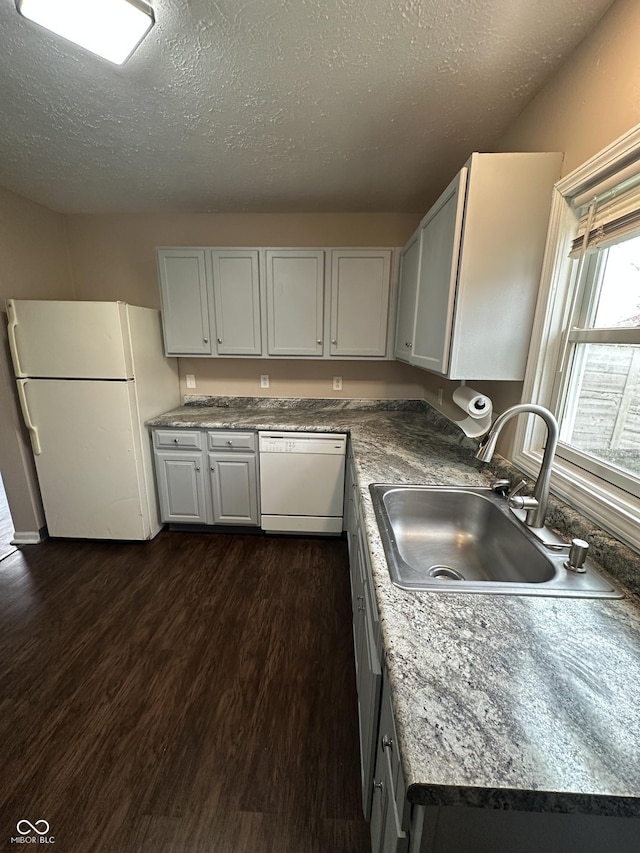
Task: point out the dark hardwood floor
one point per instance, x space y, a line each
194 694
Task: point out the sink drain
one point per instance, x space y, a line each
446 573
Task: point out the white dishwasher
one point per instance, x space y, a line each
302 481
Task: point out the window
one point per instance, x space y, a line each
598 395
585 356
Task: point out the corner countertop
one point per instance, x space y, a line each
501 701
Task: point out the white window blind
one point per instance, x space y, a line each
609 209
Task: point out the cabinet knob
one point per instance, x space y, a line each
230 443
387 743
334 341
408 344
197 468
206 340
175 440
212 468
319 342
377 785
219 340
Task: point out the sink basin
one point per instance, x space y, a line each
459 539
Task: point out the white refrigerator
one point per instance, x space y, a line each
89 374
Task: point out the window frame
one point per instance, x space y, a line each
610 506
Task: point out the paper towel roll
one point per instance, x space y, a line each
475 405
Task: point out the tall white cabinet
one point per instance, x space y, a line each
471 271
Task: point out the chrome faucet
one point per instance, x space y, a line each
536 505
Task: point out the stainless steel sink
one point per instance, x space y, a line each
459 539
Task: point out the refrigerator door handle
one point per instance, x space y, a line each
33 429
13 343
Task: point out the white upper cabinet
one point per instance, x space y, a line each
480 258
185 295
236 296
360 282
277 303
407 289
295 302
439 236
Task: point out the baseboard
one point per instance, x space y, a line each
29 537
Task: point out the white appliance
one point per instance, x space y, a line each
301 481
89 374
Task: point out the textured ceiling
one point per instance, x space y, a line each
275 105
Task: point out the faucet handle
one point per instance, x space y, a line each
514 491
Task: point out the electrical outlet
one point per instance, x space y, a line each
337 383
264 380
191 380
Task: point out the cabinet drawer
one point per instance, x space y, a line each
231 440
189 439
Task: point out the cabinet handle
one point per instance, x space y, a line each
361 600
379 785
387 743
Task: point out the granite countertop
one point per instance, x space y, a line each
501 701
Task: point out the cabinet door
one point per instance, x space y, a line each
236 295
234 488
295 297
185 294
359 302
407 290
440 238
181 487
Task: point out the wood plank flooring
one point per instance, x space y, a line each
194 694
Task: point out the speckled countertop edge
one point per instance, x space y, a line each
500 701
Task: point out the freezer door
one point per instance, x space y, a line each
88 457
74 340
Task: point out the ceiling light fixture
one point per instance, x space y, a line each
109 28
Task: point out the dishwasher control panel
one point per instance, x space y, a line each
303 442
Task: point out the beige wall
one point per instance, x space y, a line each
592 100
114 256
386 380
34 264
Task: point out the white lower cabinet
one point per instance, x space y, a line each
234 488
366 644
181 486
389 808
229 495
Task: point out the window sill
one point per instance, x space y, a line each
610 508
